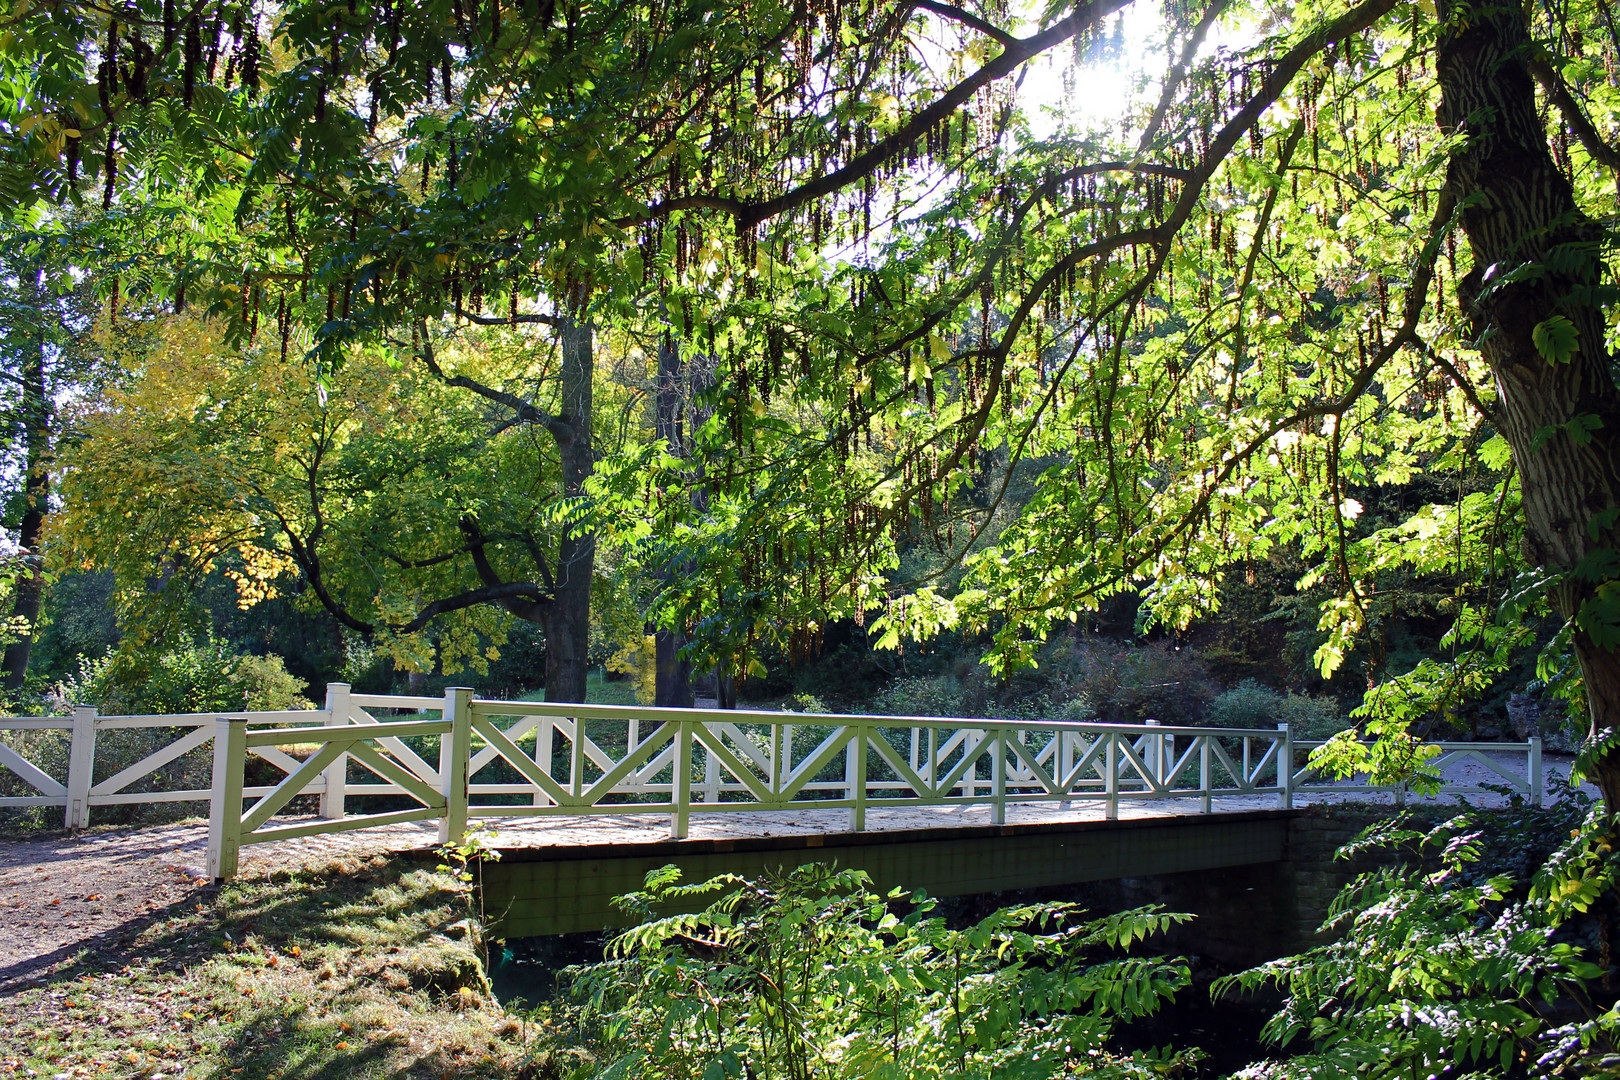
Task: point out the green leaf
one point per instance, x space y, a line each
1555 339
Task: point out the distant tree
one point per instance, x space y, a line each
47 353
394 501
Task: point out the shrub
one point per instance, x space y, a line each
1250 705
814 974
1132 683
804 703
266 685
192 676
939 696
1449 972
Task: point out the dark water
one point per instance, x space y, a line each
523 971
1227 1031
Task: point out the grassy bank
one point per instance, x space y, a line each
357 969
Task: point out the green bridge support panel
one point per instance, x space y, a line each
536 891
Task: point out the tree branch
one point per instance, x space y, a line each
525 410
1558 92
489 594
506 320
967 18
1012 57
528 604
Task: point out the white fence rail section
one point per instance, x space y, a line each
77 792
1486 756
489 759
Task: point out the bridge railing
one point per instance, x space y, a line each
454 757
55 774
606 759
1496 762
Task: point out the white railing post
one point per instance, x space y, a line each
932 775
1538 794
337 774
1111 776
225 799
544 735
998 777
1154 745
576 759
1064 760
681 796
1205 772
81 766
778 773
455 747
855 776
970 776
1285 767
711 774
632 740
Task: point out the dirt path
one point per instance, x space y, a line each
66 893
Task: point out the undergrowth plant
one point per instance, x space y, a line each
814 974
1439 970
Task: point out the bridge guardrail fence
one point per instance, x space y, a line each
497 759
1530 783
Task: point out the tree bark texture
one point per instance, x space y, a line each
567 619
36 426
672 677
1562 419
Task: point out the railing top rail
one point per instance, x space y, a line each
489 706
396 701
36 723
277 716
345 732
1445 747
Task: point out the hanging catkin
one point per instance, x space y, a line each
111 163
193 59
250 58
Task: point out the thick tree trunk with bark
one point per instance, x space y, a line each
36 425
672 678
567 618
1536 258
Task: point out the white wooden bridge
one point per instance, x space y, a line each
457 758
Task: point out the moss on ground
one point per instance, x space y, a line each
356 969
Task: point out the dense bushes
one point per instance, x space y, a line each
193 675
814 974
1442 965
1112 682
1250 705
1448 967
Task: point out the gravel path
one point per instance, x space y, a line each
64 893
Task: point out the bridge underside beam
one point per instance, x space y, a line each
538 891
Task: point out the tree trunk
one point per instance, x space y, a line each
567 620
36 425
672 678
1562 419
